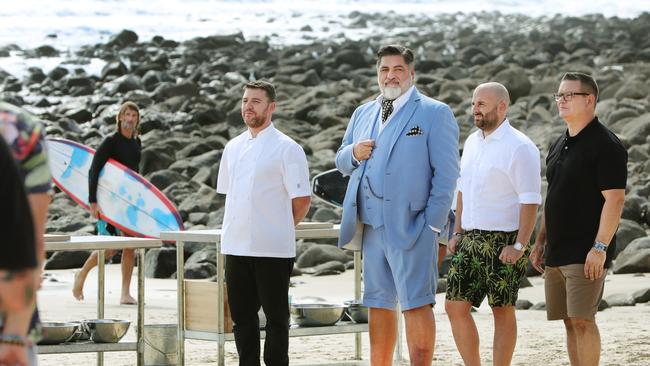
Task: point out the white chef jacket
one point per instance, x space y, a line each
260 176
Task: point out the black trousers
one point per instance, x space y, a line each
254 282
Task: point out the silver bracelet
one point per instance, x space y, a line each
13 339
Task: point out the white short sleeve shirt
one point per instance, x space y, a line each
498 173
260 176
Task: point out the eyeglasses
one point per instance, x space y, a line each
566 96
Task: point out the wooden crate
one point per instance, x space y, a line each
201 306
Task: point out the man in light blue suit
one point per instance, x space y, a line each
401 153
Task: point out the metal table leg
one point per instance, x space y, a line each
220 304
140 330
180 296
100 295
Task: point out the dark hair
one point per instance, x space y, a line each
396 50
264 85
587 82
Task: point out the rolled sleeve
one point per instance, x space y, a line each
525 174
530 198
296 172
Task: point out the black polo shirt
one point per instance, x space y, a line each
578 168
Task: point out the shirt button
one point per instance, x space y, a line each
566 147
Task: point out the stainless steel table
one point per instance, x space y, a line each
102 243
303 231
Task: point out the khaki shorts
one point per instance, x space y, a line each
569 294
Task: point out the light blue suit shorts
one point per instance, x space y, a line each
391 274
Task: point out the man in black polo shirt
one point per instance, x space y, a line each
586 173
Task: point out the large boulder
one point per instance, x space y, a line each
114 68
168 90
124 38
635 258
620 300
632 208
155 158
160 262
628 230
166 177
641 296
516 80
67 259
329 268
200 270
321 253
637 129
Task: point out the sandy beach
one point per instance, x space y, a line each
625 331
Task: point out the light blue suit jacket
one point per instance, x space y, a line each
420 173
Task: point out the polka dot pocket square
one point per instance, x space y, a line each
415 131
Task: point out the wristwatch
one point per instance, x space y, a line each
600 246
518 246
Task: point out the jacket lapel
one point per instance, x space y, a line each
406 112
371 125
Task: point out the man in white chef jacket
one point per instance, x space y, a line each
265 178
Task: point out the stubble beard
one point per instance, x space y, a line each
255 122
488 121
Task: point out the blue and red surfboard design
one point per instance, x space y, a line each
126 200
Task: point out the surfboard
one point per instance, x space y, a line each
330 186
126 200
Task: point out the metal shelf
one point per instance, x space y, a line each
102 243
294 331
82 347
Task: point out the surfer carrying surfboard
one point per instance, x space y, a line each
125 147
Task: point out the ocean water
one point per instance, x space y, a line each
68 24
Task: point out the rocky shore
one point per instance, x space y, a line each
190 91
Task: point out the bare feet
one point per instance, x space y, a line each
128 300
78 286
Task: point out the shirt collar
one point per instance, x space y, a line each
498 133
401 100
260 135
586 131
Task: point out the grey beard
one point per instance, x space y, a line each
392 92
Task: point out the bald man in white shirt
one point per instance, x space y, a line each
265 178
498 196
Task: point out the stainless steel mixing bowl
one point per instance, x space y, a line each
107 330
55 332
357 311
82 333
316 315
